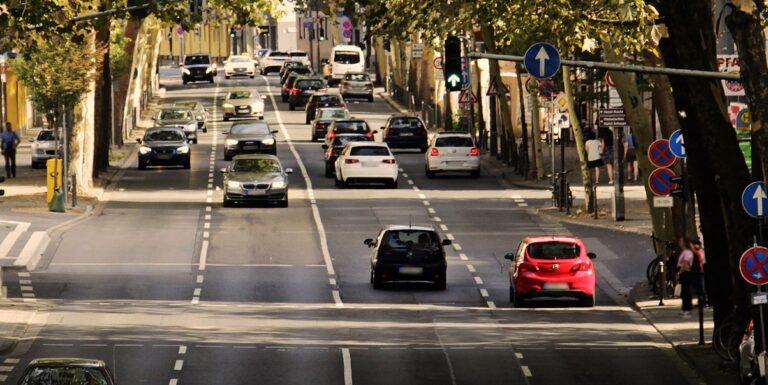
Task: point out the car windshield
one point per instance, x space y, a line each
332 114
45 136
240 95
553 250
197 59
351 127
190 105
174 114
258 129
255 165
369 151
314 83
341 141
239 59
357 77
278 54
164 136
65 375
347 57
454 141
406 123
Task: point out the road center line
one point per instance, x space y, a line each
347 361
203 255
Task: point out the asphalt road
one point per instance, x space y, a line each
169 287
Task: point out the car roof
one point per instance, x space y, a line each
403 116
367 144
552 238
351 120
172 107
409 227
256 156
83 362
453 134
164 128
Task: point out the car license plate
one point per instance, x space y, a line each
370 164
250 147
406 134
555 286
254 192
163 156
410 270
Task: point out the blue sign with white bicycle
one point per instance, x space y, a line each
755 200
542 61
677 145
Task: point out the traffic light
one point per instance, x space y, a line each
321 34
232 32
679 192
454 80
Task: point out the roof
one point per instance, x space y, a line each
86 362
367 144
256 156
550 238
172 106
158 128
407 227
459 134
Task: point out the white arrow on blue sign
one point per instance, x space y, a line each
755 200
542 60
677 145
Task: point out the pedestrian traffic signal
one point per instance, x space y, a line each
454 81
232 32
679 192
321 34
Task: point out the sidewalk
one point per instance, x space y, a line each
681 333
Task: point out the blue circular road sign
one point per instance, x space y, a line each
542 60
677 145
755 200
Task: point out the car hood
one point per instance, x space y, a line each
244 102
44 143
248 137
171 122
196 65
155 144
264 177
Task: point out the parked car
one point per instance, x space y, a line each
182 117
452 152
356 85
345 58
198 67
289 65
67 371
332 153
348 126
272 61
304 87
201 114
238 65
551 266
403 131
306 71
164 146
256 177
324 118
366 162
44 147
243 103
321 100
301 56
408 254
248 137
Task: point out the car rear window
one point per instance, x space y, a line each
174 114
301 70
197 59
348 127
369 151
357 77
332 114
414 245
46 135
346 57
298 54
406 123
454 141
341 141
278 54
309 84
553 250
257 129
328 99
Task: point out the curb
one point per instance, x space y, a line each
393 104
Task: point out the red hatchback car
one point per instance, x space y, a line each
552 266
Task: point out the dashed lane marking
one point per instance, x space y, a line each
471 268
178 365
526 371
443 227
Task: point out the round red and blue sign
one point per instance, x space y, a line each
660 182
660 154
753 265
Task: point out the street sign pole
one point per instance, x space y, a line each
618 187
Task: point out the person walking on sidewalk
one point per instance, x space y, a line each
10 140
630 156
594 161
606 138
690 266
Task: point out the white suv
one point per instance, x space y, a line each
273 61
301 56
449 152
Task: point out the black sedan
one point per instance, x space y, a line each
250 137
67 371
304 87
403 131
339 142
256 177
164 146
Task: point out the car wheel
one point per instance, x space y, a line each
211 80
340 182
307 121
292 107
227 157
517 300
226 118
370 99
475 173
253 76
33 165
588 301
226 202
430 174
393 184
184 82
187 164
375 281
512 294
440 284
261 117
328 170
205 130
226 76
284 98
142 165
423 149
194 141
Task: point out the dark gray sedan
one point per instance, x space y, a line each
181 117
67 371
250 137
256 178
164 146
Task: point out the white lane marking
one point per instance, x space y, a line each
210 185
209 200
93 345
200 278
179 364
203 255
23 274
410 182
519 356
206 234
471 268
449 236
478 280
208 208
431 210
347 360
490 304
37 241
3 378
416 188
210 175
195 300
26 288
29 300
523 204
516 197
27 295
437 219
207 217
332 281
426 203
210 193
25 282
405 175
337 298
401 169
519 200
210 180
65 345
443 227
463 257
207 225
308 182
197 292
484 293
6 368
457 247
526 371
422 196
173 381
129 345
182 349
12 237
11 361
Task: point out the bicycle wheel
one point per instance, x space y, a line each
652 270
723 340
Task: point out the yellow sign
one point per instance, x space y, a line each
53 168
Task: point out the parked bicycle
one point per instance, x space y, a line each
654 268
562 196
728 337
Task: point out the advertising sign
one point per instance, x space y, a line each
730 64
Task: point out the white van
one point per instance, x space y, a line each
345 58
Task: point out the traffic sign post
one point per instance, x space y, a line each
677 145
754 200
660 182
659 153
542 61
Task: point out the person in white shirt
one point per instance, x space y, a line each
594 160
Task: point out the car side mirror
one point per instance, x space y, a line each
138 140
375 132
289 171
223 170
225 132
369 242
509 256
274 131
263 97
324 146
382 128
591 255
446 242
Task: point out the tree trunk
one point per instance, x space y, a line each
524 157
123 81
579 138
382 70
103 101
716 165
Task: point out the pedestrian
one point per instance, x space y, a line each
630 156
690 265
10 140
606 138
594 161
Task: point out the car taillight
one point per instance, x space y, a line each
342 104
369 85
345 84
389 161
434 152
295 91
527 267
474 152
331 134
583 266
369 134
351 161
